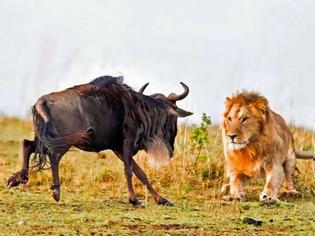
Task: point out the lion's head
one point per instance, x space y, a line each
245 116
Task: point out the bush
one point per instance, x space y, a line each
199 138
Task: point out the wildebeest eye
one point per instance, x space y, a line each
243 119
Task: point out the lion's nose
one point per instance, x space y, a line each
232 136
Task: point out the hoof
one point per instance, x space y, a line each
17 178
12 183
56 196
164 202
136 203
56 193
140 205
232 198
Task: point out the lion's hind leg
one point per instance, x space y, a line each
289 170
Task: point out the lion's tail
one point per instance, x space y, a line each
305 155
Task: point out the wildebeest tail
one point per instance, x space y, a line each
81 137
47 138
43 129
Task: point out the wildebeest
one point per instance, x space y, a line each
102 114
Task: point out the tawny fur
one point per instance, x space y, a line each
257 142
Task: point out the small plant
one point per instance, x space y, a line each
199 136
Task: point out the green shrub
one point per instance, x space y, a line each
199 138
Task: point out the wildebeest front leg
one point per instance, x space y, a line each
143 178
21 177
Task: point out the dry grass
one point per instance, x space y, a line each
94 197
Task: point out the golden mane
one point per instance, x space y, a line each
256 142
246 98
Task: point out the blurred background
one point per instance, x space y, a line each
216 47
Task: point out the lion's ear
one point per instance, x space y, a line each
262 105
228 104
228 101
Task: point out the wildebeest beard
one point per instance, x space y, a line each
158 153
156 131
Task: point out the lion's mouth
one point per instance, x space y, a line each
237 146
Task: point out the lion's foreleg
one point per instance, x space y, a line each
274 179
236 188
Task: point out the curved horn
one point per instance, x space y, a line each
174 97
141 90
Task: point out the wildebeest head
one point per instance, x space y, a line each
159 149
171 99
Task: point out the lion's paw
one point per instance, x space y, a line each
225 188
289 195
265 199
230 198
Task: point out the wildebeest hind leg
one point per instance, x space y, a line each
127 159
21 177
54 163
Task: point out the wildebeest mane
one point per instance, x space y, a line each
107 79
113 87
150 115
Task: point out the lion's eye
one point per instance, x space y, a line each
229 118
244 119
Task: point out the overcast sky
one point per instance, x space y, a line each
216 47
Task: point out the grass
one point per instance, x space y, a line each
94 194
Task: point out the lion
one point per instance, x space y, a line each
258 143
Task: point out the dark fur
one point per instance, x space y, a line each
103 114
142 118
